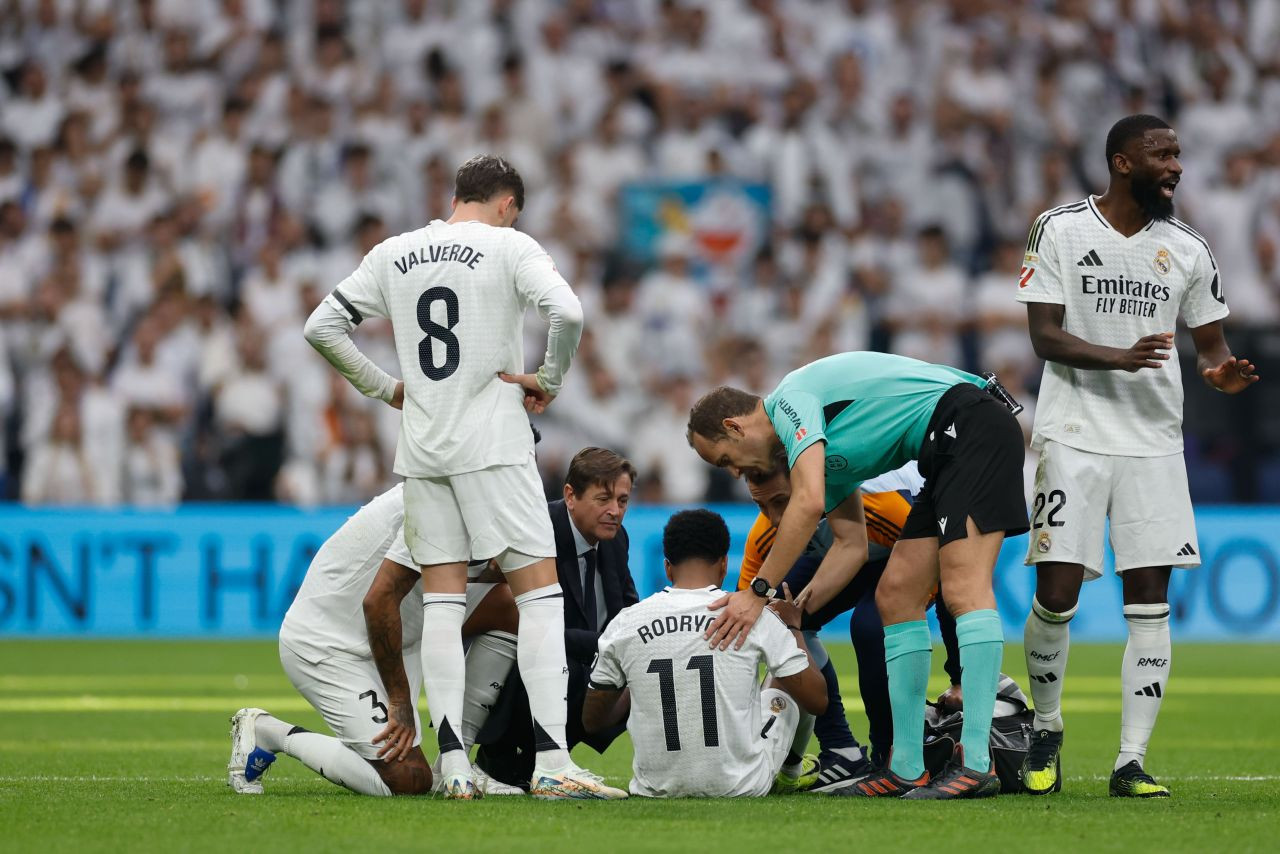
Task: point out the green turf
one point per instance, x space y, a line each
121 746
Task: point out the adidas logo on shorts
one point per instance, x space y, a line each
1186 550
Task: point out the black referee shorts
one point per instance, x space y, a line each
971 460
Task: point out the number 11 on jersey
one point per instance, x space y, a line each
664 668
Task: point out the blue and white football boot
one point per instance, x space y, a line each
248 762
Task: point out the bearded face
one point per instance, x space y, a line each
1155 173
1154 193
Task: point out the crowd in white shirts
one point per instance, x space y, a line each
181 181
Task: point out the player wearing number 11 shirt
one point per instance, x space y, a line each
456 293
700 723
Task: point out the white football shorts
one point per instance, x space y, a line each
779 717
348 691
349 694
1146 498
499 512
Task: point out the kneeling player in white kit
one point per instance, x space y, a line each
456 293
700 723
1105 280
325 652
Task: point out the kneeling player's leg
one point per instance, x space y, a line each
1144 673
966 567
901 597
339 763
333 687
408 776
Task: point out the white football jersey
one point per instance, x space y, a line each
695 712
456 295
905 479
327 616
1115 290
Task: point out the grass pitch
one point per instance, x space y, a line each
115 746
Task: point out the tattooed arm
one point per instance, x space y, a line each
382 621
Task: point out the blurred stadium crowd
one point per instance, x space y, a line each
182 180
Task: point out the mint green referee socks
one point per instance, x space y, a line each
907 650
981 641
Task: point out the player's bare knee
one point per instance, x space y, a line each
1058 586
506 616
412 776
896 602
961 601
497 612
1146 586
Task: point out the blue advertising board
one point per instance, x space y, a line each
232 570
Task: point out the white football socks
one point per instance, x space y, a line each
1144 674
336 762
323 754
541 657
270 732
444 675
1047 640
489 662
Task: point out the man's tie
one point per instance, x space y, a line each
589 591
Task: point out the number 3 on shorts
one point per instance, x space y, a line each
379 715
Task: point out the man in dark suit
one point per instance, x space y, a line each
591 561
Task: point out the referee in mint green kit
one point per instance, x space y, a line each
847 418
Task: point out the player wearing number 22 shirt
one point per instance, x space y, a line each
1105 280
456 293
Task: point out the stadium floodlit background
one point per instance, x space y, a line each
733 188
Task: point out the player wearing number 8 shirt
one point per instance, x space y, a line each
699 721
456 293
1104 281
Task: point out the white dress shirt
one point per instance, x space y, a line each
582 546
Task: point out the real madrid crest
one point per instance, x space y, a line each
1044 542
777 704
1161 262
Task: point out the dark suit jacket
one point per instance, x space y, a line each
508 729
613 576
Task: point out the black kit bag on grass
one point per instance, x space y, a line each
1010 735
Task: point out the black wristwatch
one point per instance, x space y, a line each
761 588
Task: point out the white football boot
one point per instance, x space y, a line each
492 787
248 762
572 782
